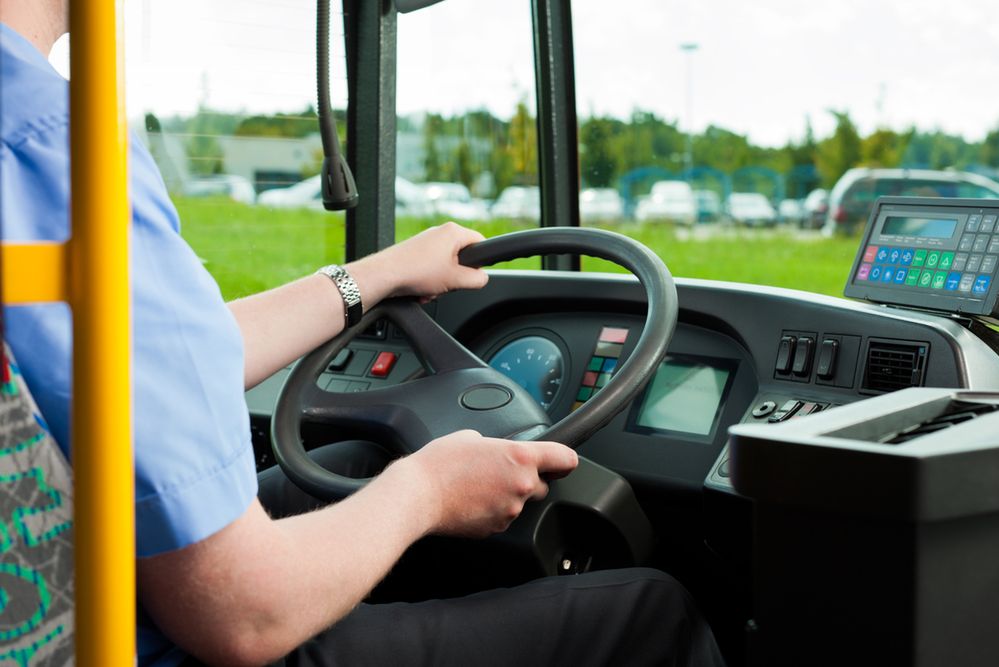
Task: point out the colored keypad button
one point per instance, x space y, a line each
939 279
603 379
589 379
906 256
900 274
875 273
932 259
613 335
981 287
953 280
882 255
609 365
887 274
605 349
870 253
919 257
893 255
596 363
912 278
863 271
925 278
946 260
584 393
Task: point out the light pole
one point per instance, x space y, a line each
688 158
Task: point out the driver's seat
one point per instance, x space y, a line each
36 535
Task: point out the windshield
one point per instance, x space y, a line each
684 109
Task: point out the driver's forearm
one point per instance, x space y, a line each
282 324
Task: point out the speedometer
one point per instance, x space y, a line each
535 363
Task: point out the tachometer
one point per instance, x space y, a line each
535 363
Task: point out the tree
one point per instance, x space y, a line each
433 168
839 152
882 148
523 145
597 163
989 152
461 168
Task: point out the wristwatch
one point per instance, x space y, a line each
345 284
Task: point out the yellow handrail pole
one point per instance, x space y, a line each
99 289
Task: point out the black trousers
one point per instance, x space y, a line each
616 617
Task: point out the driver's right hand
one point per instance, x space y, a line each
477 486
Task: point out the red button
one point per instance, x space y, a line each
589 379
383 364
613 335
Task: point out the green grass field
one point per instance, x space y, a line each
248 249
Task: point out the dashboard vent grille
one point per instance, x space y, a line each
892 366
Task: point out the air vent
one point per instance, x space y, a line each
892 366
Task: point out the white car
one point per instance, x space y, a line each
600 205
518 203
234 187
304 194
410 200
669 200
455 202
751 208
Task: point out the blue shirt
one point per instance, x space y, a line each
194 465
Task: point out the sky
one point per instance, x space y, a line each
760 68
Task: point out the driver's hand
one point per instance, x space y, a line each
477 485
425 266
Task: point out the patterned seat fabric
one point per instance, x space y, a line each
36 533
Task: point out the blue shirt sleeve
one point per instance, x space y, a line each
194 464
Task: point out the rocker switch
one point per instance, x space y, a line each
803 349
826 367
784 353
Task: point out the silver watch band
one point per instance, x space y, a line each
349 292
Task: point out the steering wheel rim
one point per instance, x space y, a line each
449 360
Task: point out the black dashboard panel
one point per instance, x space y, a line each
746 327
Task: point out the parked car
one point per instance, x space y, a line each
853 196
410 200
709 206
791 211
600 205
307 193
669 200
518 203
454 201
751 209
234 187
816 204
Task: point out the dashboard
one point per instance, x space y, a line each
740 353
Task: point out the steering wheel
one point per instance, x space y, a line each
461 391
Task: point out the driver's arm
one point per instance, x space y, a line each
282 324
259 587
